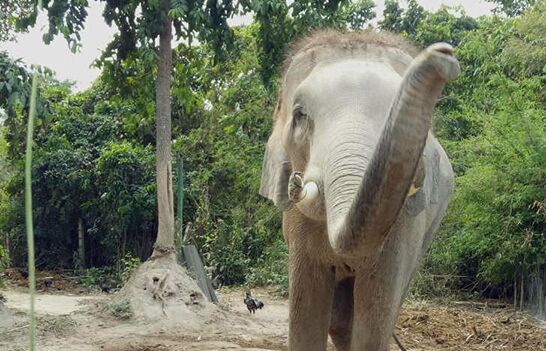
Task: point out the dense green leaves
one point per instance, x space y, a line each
526 51
82 170
448 24
513 7
494 131
10 12
280 22
392 16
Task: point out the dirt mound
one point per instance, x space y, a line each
162 290
431 327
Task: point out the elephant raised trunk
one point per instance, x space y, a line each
369 206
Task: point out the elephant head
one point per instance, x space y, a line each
353 118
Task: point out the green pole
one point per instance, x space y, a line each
28 212
180 203
28 205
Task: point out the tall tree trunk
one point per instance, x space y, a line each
123 242
515 290
540 290
521 291
165 235
81 242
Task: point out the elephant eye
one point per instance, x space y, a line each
298 114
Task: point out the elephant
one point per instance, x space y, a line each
361 181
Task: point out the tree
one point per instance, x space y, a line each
412 17
207 19
10 11
165 202
494 133
448 24
281 21
357 13
15 85
526 51
513 8
392 16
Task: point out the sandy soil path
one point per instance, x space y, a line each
48 304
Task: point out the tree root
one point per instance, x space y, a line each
158 291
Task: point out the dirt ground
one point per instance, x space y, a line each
79 322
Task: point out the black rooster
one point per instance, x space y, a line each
251 303
24 273
105 287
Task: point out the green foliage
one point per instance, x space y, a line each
4 202
447 25
495 136
126 194
513 7
525 53
15 89
357 13
426 285
272 269
280 22
231 224
10 11
92 278
392 16
129 264
4 258
83 170
412 18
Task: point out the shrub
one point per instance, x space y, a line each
121 310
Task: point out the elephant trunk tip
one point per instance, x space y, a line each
441 55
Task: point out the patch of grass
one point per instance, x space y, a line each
56 325
121 310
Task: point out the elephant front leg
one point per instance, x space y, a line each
376 306
311 296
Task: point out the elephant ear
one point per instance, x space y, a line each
276 170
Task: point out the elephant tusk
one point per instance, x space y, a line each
310 191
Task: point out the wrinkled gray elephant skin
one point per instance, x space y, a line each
362 183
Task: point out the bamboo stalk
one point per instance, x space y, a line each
28 213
